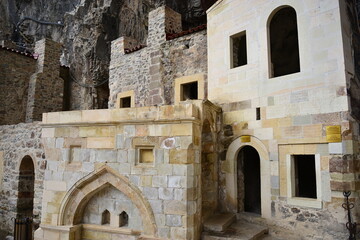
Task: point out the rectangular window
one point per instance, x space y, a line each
258 115
125 102
189 91
304 176
238 50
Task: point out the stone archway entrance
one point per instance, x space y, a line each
25 201
249 181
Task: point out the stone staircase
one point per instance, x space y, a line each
228 227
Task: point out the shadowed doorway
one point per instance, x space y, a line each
249 192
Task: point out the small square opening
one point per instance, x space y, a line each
304 176
146 155
239 52
125 102
189 91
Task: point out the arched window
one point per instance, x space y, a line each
284 44
105 217
123 219
25 201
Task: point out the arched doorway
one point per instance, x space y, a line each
25 202
248 177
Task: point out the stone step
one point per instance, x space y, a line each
239 230
219 222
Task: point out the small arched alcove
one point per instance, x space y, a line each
106 189
25 201
123 219
283 42
105 218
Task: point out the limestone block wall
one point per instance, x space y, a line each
151 155
151 71
287 115
17 142
46 88
15 71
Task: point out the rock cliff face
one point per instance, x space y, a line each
88 28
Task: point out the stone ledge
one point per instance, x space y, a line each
184 112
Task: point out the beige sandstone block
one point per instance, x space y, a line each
123 114
53 235
179 156
142 130
47 132
70 117
146 181
98 115
55 186
100 142
184 129
105 131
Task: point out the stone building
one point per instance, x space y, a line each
252 118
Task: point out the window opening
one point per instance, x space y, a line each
105 218
239 53
123 219
258 116
305 176
189 91
125 102
284 44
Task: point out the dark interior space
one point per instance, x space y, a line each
103 93
239 50
125 102
189 91
249 169
284 44
305 176
123 219
25 201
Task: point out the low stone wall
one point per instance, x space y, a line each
16 142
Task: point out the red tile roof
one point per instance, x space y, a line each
134 49
33 55
170 36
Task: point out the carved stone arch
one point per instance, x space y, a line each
77 197
231 174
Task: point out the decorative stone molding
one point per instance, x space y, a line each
231 174
77 197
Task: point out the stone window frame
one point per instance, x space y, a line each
231 48
199 78
121 95
138 149
290 177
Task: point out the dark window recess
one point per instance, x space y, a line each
239 53
258 116
105 217
284 44
189 91
123 219
305 176
125 102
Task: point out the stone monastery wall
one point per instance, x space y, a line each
15 72
150 71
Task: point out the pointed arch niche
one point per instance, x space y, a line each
232 174
73 206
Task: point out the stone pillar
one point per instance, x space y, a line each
162 20
46 88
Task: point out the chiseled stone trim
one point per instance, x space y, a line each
231 174
130 94
77 197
